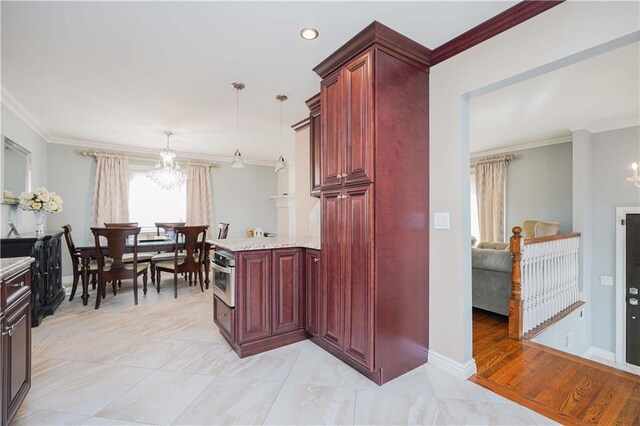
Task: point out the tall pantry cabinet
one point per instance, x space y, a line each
374 174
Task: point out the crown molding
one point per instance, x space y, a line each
152 153
599 126
23 114
523 146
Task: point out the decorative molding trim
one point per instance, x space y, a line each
301 125
153 153
511 17
23 114
67 279
612 124
462 371
375 33
523 146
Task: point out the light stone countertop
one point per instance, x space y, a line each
266 243
11 265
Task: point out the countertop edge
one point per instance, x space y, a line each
15 265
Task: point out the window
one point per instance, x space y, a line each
475 222
148 203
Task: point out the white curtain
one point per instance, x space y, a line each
491 177
199 204
110 189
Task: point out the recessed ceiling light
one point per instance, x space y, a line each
309 33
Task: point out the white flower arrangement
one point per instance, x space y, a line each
40 200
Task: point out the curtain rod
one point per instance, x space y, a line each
142 158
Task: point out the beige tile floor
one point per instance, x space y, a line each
164 362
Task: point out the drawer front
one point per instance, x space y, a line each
222 316
14 288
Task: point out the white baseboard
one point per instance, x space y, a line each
67 280
463 371
599 352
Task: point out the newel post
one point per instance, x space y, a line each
515 302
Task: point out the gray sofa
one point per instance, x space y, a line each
491 277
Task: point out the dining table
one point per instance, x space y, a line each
89 251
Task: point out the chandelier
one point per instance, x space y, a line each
635 179
167 173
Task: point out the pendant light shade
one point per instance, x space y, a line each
237 162
281 165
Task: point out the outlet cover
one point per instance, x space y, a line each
606 280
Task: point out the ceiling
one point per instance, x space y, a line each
124 72
597 94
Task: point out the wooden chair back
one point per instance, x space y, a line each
223 230
121 225
116 246
71 246
168 227
195 238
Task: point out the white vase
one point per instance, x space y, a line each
39 214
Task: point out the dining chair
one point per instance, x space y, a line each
110 264
223 230
76 264
128 257
169 230
194 238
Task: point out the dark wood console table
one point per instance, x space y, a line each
46 272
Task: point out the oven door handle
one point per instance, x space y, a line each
221 268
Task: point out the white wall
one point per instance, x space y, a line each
306 205
19 132
613 153
565 30
240 196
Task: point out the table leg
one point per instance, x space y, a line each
85 280
207 265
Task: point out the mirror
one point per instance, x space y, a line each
16 171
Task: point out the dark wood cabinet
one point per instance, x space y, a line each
46 272
374 283
332 134
312 291
287 290
269 308
315 139
331 283
253 269
15 342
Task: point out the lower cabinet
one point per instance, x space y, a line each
312 291
15 343
269 308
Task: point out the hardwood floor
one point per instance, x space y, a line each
563 387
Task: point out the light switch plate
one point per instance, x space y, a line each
441 220
606 280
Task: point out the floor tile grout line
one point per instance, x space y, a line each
266 416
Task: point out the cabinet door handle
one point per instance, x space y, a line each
8 331
20 284
315 259
222 315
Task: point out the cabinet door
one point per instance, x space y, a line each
253 292
358 274
287 290
332 132
17 354
312 291
332 324
358 104
315 141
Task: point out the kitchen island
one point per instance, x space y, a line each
266 291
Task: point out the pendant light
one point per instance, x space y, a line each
167 173
280 164
237 162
